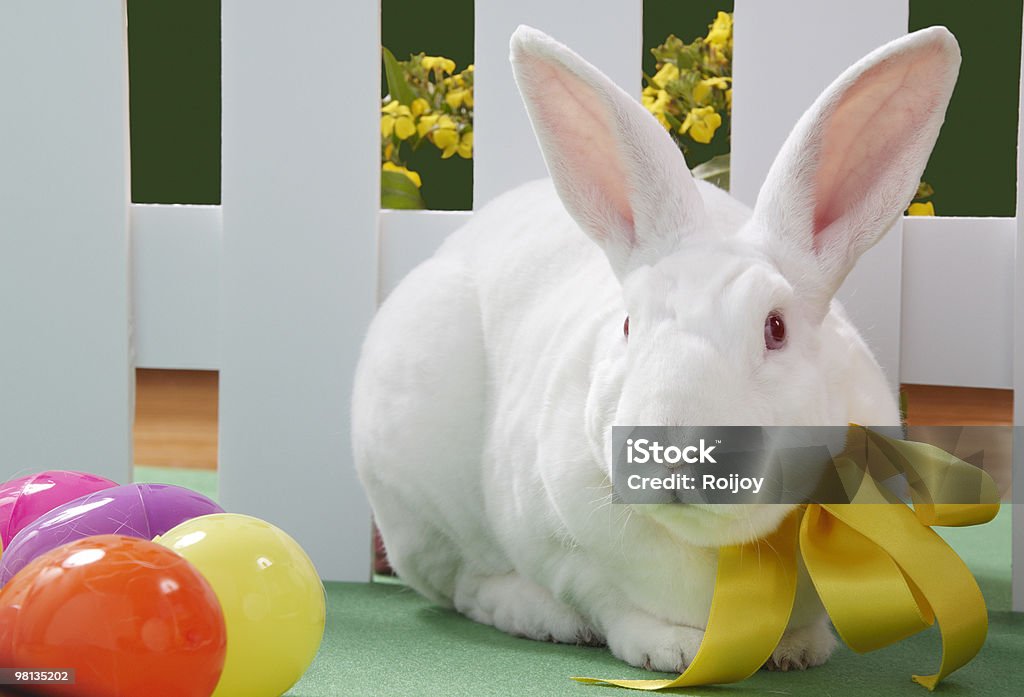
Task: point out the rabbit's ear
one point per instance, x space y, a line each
617 171
853 162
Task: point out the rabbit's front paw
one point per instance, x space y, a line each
647 642
517 605
802 648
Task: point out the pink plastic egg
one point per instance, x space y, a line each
24 499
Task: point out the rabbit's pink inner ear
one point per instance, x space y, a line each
579 146
867 148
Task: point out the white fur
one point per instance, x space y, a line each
491 377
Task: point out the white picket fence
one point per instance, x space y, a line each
275 287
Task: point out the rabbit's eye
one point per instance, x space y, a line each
774 331
625 327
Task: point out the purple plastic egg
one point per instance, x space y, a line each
25 499
135 510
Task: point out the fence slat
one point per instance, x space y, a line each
505 150
409 237
962 268
1018 370
300 207
176 283
832 37
66 376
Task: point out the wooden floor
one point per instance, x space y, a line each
176 414
176 418
932 405
929 407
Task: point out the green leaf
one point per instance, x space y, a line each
715 170
682 87
398 88
689 56
398 191
673 122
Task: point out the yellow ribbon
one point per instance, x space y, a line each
882 573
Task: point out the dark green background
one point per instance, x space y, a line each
174 73
174 51
974 165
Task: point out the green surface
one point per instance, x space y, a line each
203 481
383 639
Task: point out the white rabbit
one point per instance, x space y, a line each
491 377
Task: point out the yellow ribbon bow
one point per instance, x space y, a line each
880 570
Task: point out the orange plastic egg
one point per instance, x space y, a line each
131 617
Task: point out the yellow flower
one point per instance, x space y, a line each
404 128
667 74
445 65
414 177
420 106
701 122
426 122
463 145
466 145
652 96
397 119
447 139
445 136
728 98
388 150
702 90
720 32
925 208
657 102
456 97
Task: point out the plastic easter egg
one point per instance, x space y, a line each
271 594
25 499
135 510
131 618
